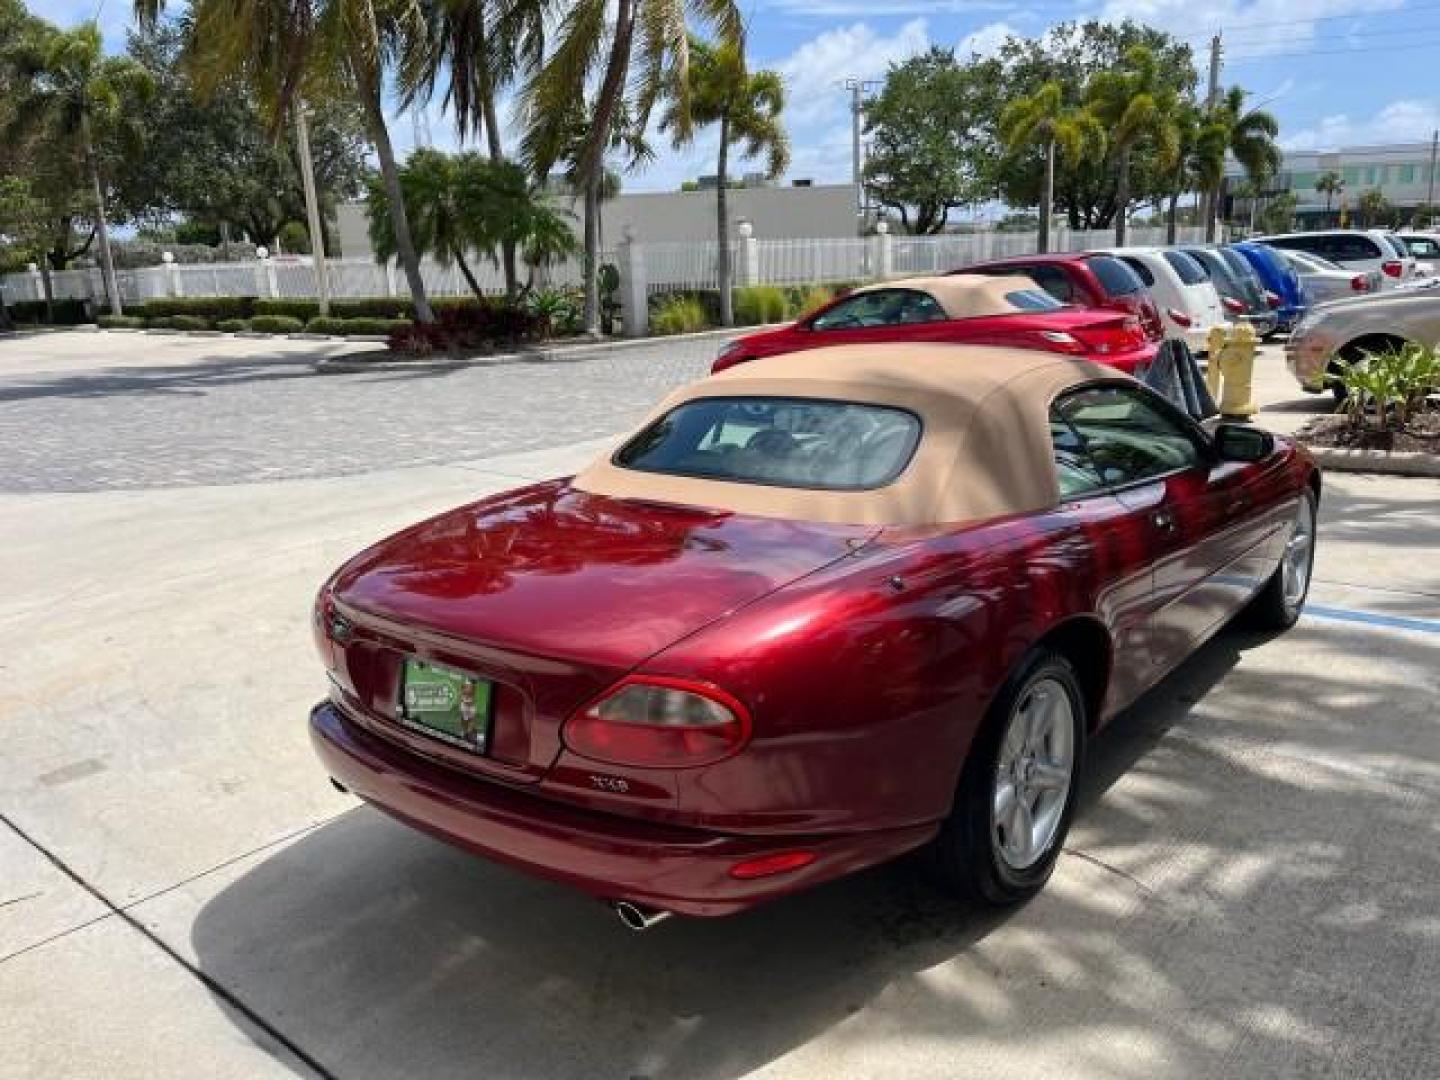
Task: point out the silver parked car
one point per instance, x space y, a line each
1354 249
1346 330
1324 280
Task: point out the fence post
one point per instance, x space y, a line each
389 277
37 283
173 286
634 292
747 266
265 277
884 258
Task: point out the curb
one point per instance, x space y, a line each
353 364
1385 462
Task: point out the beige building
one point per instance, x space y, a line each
824 211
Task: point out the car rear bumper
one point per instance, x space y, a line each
683 870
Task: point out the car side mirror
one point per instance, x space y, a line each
1241 442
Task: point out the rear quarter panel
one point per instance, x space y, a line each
869 680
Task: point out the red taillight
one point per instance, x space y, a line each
1360 283
1235 307
1118 335
766 865
1393 268
1272 299
656 722
1180 319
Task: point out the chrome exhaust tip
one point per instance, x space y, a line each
639 918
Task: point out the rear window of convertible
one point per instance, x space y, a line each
781 442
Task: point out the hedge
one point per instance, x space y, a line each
346 327
276 324
756 304
679 314
179 322
233 326
209 308
120 322
65 313
304 310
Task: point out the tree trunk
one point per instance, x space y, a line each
399 219
592 155
1122 199
1212 213
312 208
48 286
1172 219
722 227
107 261
467 275
486 92
1047 196
592 255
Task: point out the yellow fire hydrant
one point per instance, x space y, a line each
1230 375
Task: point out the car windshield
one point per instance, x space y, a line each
1398 245
776 441
1117 278
1034 300
1238 264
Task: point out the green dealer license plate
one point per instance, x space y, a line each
447 704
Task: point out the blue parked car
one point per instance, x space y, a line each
1278 277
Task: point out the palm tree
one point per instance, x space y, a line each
79 95
1372 207
1136 107
594 44
1044 119
1329 184
316 49
1250 138
747 109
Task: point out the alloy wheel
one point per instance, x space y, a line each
1296 564
1033 773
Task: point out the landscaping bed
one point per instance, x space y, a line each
1420 435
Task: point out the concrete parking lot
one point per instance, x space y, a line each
1252 887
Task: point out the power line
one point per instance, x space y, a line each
1252 57
1240 27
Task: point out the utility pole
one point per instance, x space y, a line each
1211 200
1430 190
312 207
857 90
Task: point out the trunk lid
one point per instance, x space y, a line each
553 594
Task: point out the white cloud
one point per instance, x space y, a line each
1406 120
987 40
1248 30
814 73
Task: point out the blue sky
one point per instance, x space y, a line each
1335 72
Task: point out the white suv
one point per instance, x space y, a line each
1354 249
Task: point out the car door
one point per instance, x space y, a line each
1198 518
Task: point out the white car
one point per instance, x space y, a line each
1189 305
1324 281
1424 248
1353 249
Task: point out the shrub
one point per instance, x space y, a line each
708 299
679 315
1394 383
233 326
463 326
303 310
209 308
811 299
63 313
276 324
759 304
179 322
346 327
373 307
557 311
120 322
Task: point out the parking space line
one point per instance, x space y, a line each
1371 618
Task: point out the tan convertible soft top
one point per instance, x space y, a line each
985 450
965 296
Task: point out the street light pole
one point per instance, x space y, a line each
312 207
1430 191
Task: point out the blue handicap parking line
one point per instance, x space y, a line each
1370 618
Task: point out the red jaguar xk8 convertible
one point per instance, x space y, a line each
814 613
964 309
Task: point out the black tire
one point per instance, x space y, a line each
965 856
1272 609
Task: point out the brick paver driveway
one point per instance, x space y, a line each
91 412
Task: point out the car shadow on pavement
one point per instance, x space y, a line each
381 952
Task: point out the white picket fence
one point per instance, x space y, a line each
666 266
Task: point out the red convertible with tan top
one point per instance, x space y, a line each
812 614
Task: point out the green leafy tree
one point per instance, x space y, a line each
80 96
1136 106
1278 214
746 108
1372 208
1045 119
316 50
463 203
1073 54
1330 185
932 149
633 55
